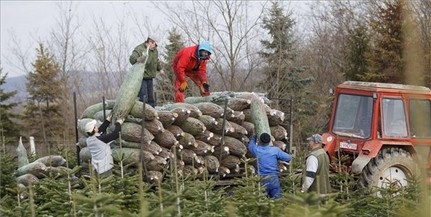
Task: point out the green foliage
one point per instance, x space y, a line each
43 114
9 130
199 196
357 49
385 58
283 79
7 179
165 88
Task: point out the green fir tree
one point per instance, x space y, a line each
165 88
358 47
42 112
385 58
9 129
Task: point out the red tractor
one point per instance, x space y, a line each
382 129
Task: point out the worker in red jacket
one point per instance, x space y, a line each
191 62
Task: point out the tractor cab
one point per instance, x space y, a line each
379 128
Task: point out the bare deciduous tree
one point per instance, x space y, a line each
232 27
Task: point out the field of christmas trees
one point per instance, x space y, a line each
74 192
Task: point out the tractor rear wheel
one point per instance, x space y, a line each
391 166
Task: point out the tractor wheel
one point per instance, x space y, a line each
391 166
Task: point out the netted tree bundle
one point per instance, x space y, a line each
280 144
193 110
35 168
278 132
182 113
230 161
212 164
222 127
125 144
156 164
237 131
189 170
237 117
129 155
202 148
205 136
193 126
165 153
220 98
221 151
139 111
133 132
154 126
176 131
210 109
129 89
166 139
259 116
275 117
90 111
52 160
223 171
27 179
187 155
249 126
236 147
187 140
153 176
101 115
199 161
167 118
208 121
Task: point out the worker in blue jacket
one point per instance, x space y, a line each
267 157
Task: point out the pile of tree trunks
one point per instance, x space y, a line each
203 135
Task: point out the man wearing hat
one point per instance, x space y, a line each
317 167
97 143
191 62
267 157
147 54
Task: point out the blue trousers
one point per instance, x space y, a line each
272 186
147 91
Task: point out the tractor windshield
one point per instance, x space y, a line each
353 116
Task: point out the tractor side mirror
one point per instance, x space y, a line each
331 91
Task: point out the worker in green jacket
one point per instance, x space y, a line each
146 53
317 167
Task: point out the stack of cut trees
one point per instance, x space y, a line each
203 135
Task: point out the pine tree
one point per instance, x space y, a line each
44 86
165 88
284 81
358 47
9 130
282 78
385 58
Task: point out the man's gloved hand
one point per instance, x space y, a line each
109 118
162 71
183 86
141 59
206 87
120 121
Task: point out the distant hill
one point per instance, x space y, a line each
18 84
90 84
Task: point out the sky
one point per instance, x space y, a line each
27 22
